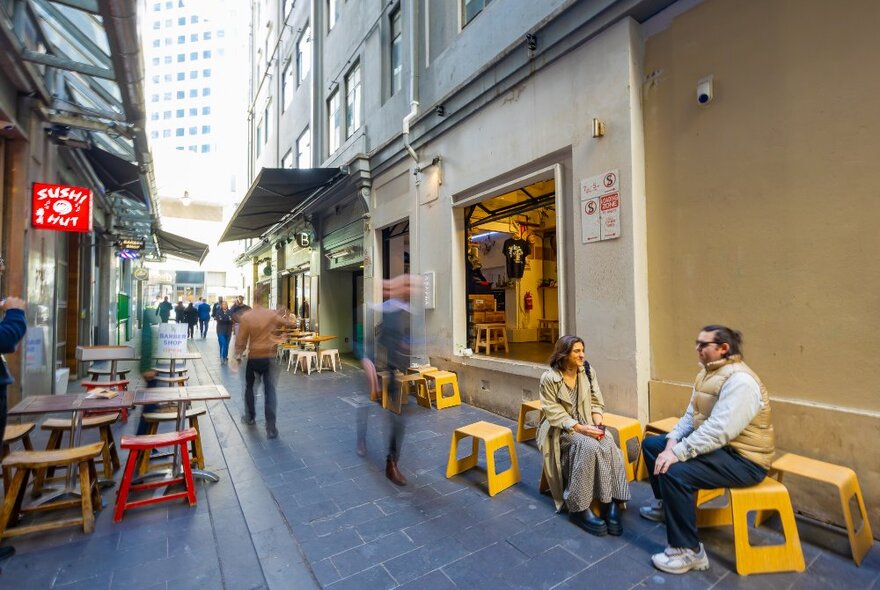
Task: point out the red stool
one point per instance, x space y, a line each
146 443
119 385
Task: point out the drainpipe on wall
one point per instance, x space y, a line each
412 23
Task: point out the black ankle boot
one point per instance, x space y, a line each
612 518
589 522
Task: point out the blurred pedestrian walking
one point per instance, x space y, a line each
191 317
204 310
224 330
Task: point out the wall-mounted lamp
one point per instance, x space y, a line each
342 253
422 166
598 128
531 41
185 200
440 110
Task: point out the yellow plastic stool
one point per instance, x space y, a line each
408 384
381 394
844 478
751 559
494 437
435 381
627 429
522 432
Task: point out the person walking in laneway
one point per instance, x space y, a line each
191 317
180 312
164 310
204 310
395 337
224 330
255 333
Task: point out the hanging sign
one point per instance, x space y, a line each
61 208
600 207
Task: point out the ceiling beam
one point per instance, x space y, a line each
68 27
90 6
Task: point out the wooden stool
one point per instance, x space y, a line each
178 381
332 355
95 373
14 433
154 418
549 329
58 426
751 559
146 443
25 462
435 380
305 359
628 430
847 484
523 433
118 385
494 437
408 384
167 371
489 335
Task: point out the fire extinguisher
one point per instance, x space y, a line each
527 301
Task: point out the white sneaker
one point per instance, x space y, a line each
675 560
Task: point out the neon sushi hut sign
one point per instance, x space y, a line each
61 208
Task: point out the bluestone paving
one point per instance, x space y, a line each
304 511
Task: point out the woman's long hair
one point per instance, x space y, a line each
561 351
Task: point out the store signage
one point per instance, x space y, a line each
141 273
303 239
61 208
600 207
130 244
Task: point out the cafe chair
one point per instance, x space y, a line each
24 463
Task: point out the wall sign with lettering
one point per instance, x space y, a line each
61 208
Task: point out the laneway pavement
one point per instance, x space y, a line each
305 511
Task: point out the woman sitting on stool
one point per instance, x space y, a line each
580 462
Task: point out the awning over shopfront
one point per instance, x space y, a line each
174 245
117 174
275 193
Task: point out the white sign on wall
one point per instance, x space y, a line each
172 339
429 289
600 207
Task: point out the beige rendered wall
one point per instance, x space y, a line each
763 211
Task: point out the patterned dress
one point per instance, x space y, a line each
593 468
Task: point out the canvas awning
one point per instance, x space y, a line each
117 174
174 245
275 193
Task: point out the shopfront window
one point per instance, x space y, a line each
512 273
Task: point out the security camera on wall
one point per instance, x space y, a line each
6 125
706 90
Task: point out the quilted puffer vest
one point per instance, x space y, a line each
756 442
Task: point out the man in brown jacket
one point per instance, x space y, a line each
255 333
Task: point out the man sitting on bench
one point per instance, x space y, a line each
724 440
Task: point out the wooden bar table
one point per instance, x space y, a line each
77 404
181 396
316 340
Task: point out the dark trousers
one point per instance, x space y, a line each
146 409
203 327
265 368
190 328
396 423
722 468
3 409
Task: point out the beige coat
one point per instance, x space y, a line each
557 405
